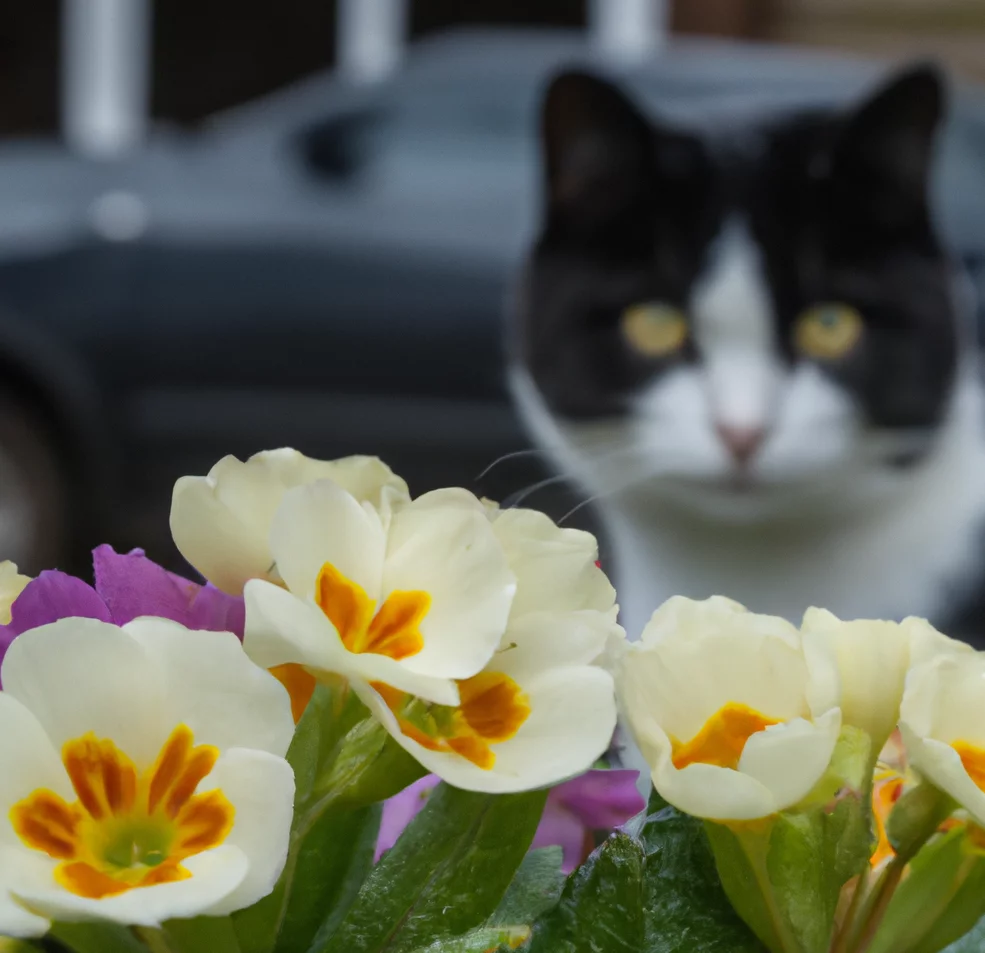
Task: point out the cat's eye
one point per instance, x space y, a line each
654 329
827 331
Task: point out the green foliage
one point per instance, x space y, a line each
650 889
535 889
940 900
445 876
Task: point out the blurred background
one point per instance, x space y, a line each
232 226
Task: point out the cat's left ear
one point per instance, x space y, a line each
886 146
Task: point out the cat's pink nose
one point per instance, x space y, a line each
741 442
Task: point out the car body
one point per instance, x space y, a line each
328 267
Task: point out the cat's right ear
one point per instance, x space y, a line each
596 144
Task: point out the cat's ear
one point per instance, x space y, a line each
886 147
592 134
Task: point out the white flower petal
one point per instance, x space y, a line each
704 790
321 523
941 765
81 675
30 761
555 568
220 523
215 875
789 759
544 640
451 552
213 687
859 665
18 866
261 789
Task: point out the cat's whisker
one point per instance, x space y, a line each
508 456
515 499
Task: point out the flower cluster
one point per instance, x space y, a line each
748 722
146 721
351 733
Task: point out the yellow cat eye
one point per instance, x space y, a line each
655 330
827 331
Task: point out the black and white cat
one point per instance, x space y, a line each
757 358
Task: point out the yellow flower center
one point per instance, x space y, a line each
127 829
392 630
722 738
491 710
973 759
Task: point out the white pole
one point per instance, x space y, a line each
105 74
371 37
629 29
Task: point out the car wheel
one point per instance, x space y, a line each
34 511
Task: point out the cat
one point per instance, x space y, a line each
755 352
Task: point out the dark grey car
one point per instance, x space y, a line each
326 268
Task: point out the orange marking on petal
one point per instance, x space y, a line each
84 880
474 750
347 606
885 793
300 685
395 630
204 823
493 706
168 766
104 778
723 737
973 759
200 762
45 822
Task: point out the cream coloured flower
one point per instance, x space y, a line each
143 775
221 522
942 721
413 601
543 708
12 583
862 666
718 701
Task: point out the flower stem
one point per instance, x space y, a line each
877 904
840 940
154 940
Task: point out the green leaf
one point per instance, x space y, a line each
201 935
446 874
96 938
9 945
323 877
971 942
686 908
601 907
479 941
940 900
535 889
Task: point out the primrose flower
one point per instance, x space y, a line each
12 584
542 709
718 700
410 602
143 775
861 666
942 721
221 522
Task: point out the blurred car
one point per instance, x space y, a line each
325 268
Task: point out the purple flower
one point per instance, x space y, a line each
596 801
127 586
